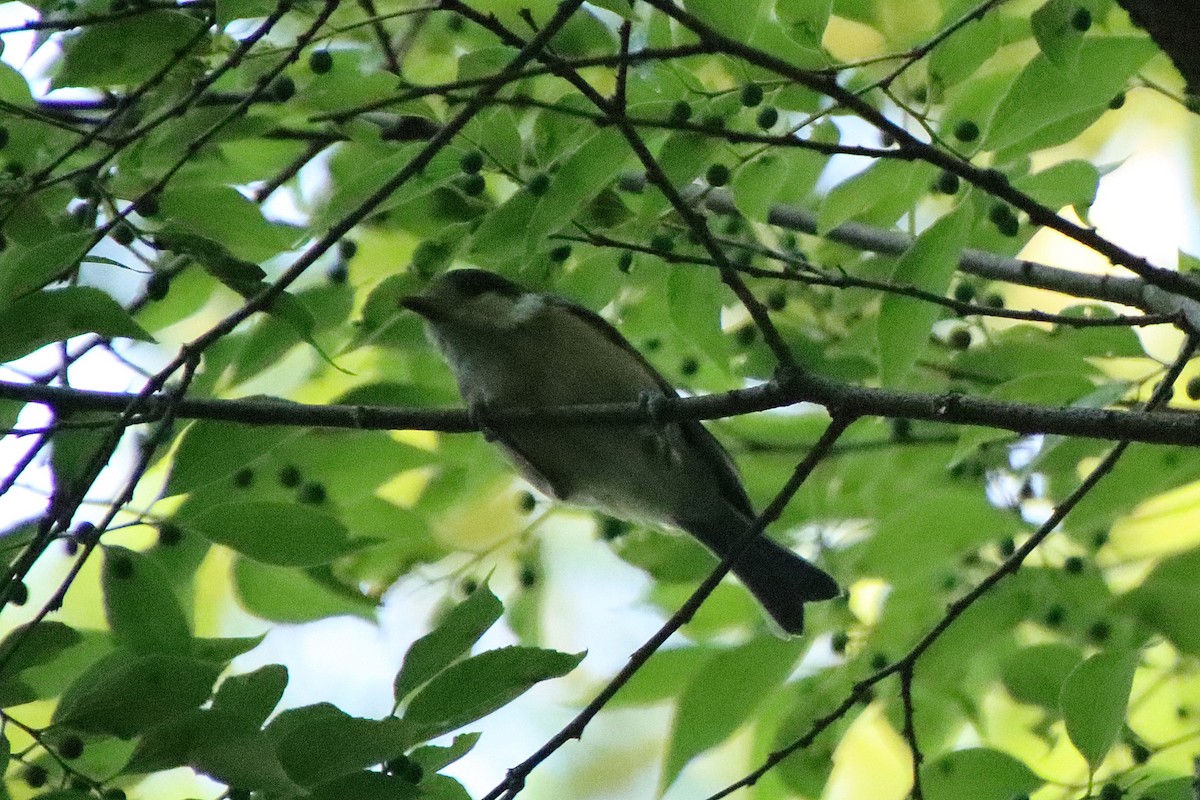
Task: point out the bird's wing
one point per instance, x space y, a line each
694 433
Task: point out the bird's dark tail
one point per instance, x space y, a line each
780 580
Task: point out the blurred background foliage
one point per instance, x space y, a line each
165 163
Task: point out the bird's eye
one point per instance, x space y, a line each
475 282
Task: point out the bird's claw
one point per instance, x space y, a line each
477 413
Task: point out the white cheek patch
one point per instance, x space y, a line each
527 307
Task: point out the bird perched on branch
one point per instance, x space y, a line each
511 348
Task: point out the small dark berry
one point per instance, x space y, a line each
1081 20
405 768
752 95
1117 101
767 117
468 586
1110 791
122 234
169 534
612 528
1007 547
1099 631
879 661
717 175
1055 616
289 477
652 345
121 566
747 335
147 206
472 185
960 339
994 300
689 367
35 775
471 162
338 273
312 493
282 89
348 249
243 478
1193 388
662 243
1073 565
777 300
1139 753
526 502
680 112
964 292
538 184
966 131
528 577
320 61
947 183
70 747
625 261
85 533
1009 227
839 641
18 595
1099 539
560 254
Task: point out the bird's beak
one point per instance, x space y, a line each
424 306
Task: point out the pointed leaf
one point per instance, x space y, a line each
478 686
453 637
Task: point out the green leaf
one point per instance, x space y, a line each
966 520
282 534
660 678
905 322
212 451
476 687
455 634
959 56
582 175
101 54
1094 697
735 20
1070 183
326 747
1169 600
54 316
724 693
1043 95
979 774
879 194
124 694
1036 674
694 297
351 192
284 594
27 269
432 758
683 157
41 659
223 214
141 609
251 697
1056 35
804 20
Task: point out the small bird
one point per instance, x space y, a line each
511 348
